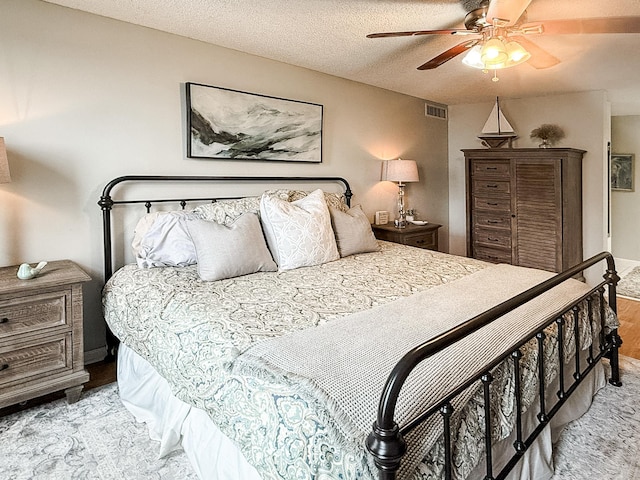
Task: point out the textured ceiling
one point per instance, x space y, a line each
329 36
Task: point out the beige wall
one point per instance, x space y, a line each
86 99
585 119
625 206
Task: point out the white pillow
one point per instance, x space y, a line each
230 251
161 239
353 231
299 233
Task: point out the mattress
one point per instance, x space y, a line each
191 333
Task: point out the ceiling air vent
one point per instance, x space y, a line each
435 110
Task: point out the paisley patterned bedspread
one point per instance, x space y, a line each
192 331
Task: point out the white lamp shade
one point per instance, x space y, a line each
400 171
5 177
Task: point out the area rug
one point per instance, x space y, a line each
97 438
94 438
629 286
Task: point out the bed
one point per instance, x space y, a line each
365 359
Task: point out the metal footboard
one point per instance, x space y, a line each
386 442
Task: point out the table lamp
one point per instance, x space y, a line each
400 171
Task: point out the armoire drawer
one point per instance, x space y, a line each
492 220
502 204
490 168
484 186
492 237
494 255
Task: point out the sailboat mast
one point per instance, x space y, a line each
498 104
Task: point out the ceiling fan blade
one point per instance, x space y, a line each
448 55
540 58
591 25
447 31
508 11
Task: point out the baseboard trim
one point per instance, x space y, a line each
95 356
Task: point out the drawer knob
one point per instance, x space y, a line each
492 185
4 366
4 320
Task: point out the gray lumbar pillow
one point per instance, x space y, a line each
353 231
230 251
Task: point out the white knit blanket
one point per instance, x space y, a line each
345 363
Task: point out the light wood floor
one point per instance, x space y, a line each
629 316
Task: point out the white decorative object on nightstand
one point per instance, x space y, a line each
41 344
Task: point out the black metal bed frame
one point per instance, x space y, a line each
386 441
107 203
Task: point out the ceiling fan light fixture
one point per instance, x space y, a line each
473 58
494 53
517 53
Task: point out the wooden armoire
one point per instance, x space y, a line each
524 206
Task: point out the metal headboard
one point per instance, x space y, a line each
107 203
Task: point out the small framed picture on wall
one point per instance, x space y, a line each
622 171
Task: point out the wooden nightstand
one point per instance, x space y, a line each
423 236
41 344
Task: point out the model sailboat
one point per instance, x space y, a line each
497 130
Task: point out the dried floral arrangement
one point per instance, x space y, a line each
548 133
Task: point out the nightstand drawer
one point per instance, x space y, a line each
23 362
421 236
32 313
426 240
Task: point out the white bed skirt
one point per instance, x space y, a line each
214 456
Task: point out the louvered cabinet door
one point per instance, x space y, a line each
538 214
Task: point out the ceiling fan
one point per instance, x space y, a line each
499 29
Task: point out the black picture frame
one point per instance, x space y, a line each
622 172
229 124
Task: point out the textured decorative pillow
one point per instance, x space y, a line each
335 200
230 251
225 212
161 239
299 233
353 231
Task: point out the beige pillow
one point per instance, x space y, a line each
353 231
230 251
299 233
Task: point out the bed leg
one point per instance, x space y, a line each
616 342
387 447
112 346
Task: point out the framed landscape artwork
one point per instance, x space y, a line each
233 125
622 171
